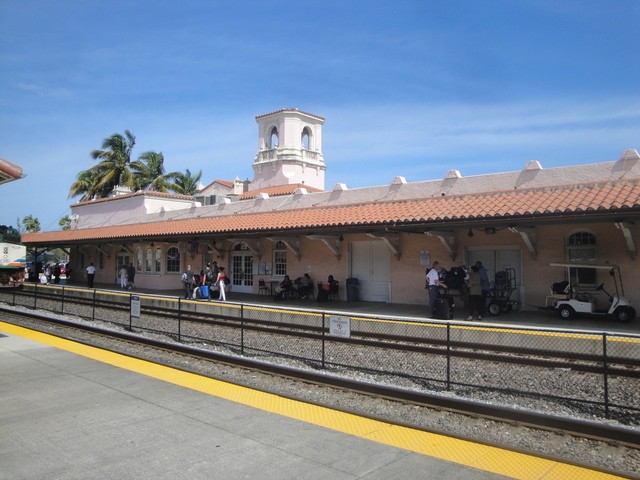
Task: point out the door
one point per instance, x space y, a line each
123 260
242 272
370 265
500 259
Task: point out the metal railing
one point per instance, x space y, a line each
597 373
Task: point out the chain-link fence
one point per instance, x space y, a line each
596 374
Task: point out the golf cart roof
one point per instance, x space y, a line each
584 265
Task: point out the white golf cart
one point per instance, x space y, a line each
569 302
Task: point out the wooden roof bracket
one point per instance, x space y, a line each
292 244
391 239
626 229
252 244
448 241
213 247
529 239
332 242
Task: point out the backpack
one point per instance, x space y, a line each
184 277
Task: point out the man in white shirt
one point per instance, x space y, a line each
91 274
434 283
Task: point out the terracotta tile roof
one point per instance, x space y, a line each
277 190
225 183
609 198
9 171
148 193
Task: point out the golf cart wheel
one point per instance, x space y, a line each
494 309
624 314
566 312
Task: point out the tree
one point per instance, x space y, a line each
86 185
31 224
150 174
186 183
65 222
114 167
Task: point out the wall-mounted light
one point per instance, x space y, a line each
341 238
470 233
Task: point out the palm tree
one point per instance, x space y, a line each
65 222
86 185
31 224
150 174
114 167
186 183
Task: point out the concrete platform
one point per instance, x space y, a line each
69 411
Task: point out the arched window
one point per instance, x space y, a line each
273 138
139 260
581 247
306 137
173 260
158 260
148 260
280 259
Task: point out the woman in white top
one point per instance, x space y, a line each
222 276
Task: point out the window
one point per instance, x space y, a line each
100 261
581 248
148 260
280 259
273 138
139 260
158 260
173 260
305 138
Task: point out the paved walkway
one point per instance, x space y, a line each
70 411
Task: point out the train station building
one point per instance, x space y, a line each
287 221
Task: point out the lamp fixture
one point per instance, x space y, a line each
470 234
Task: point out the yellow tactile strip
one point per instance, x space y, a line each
491 459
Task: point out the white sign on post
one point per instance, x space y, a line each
135 306
340 327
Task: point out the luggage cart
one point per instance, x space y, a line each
500 296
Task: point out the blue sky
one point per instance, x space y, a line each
409 87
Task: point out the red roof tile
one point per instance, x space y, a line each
614 197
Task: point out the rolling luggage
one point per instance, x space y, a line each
444 308
204 291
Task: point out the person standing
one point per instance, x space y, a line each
123 277
187 282
221 281
131 276
434 284
476 299
91 274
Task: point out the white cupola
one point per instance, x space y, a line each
289 150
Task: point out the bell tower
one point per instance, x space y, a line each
289 150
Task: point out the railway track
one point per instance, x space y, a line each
174 354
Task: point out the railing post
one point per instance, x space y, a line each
605 367
62 305
323 339
448 356
93 312
242 329
179 319
35 296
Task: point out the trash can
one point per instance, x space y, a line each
353 285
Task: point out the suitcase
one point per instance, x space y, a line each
204 291
444 308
